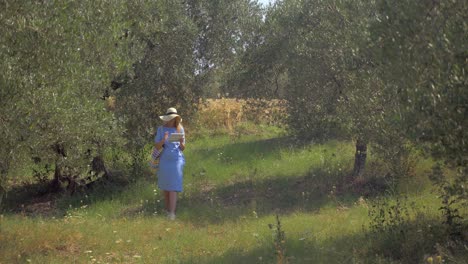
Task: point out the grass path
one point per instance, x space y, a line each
233 190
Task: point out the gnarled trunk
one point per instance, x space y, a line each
98 167
63 180
57 183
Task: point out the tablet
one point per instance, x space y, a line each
174 137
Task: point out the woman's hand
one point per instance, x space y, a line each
166 136
182 144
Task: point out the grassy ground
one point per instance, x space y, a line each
234 188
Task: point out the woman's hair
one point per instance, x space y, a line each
178 124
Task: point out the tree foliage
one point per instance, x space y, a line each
57 58
422 48
162 77
393 75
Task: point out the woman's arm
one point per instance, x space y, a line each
182 144
159 144
182 141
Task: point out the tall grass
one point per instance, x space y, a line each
228 115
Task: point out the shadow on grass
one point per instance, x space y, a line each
259 197
414 242
304 251
249 198
36 200
247 152
211 204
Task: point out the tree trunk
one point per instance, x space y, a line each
73 182
4 167
3 191
56 184
98 166
360 158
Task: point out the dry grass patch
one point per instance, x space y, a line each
228 114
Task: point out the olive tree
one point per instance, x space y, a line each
312 53
422 49
57 58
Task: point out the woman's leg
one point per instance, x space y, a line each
172 201
166 200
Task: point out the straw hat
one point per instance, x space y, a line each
171 113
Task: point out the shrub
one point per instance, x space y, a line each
453 197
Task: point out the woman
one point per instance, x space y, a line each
172 161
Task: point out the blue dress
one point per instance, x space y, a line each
171 162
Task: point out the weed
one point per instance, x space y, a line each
388 216
279 241
389 225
